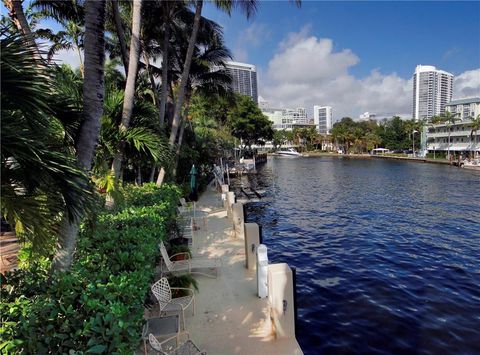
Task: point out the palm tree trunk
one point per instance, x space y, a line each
120 34
164 93
152 80
183 83
152 173
17 15
130 85
180 138
79 53
93 92
178 149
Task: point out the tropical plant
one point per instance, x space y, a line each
475 127
34 139
129 86
93 91
68 14
248 123
449 119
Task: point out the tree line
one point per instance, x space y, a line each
128 113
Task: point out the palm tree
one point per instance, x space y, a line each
130 85
203 79
93 92
449 118
70 15
249 7
41 181
15 11
475 129
120 33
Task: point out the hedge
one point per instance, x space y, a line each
98 305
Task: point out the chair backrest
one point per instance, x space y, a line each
162 292
165 256
155 344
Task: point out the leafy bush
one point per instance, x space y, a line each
98 306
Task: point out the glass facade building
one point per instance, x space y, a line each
244 79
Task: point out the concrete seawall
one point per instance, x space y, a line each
230 317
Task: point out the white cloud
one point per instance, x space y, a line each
69 56
307 71
252 37
467 84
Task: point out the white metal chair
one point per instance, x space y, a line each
163 293
188 265
186 348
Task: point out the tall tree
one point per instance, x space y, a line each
449 119
130 85
120 33
475 127
40 177
249 7
15 11
248 123
93 92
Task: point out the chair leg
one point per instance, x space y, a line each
183 318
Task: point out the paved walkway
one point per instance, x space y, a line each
230 318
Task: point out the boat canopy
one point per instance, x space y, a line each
380 151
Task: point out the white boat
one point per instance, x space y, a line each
472 164
290 152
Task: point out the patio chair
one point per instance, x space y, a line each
187 348
166 327
188 265
163 293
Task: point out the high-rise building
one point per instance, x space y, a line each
287 118
432 90
244 79
322 117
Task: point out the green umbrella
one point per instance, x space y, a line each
193 179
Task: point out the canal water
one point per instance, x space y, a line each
387 253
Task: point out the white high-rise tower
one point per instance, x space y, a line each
244 79
322 117
432 90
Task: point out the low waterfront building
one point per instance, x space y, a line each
464 108
456 138
322 117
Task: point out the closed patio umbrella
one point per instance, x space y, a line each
193 183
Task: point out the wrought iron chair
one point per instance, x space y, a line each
189 265
186 348
163 293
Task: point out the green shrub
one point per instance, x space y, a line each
98 306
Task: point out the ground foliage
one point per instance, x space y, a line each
98 306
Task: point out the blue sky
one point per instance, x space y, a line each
390 36
354 56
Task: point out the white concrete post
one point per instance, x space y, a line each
224 195
262 271
281 299
238 220
230 202
252 240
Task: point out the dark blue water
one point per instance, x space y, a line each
387 253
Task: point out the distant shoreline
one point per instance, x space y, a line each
368 156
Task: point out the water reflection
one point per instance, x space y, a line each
387 253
